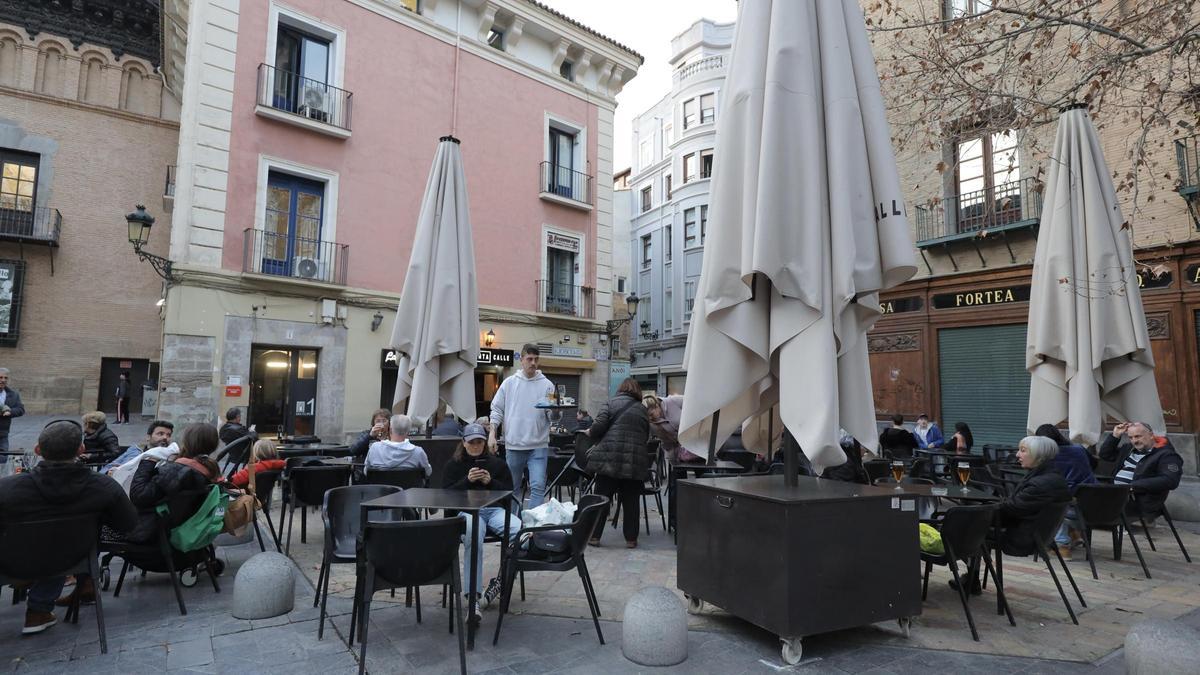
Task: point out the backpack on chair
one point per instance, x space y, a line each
203 526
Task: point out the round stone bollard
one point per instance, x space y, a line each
265 586
654 631
1183 506
1161 647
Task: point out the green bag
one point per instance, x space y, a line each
204 525
931 540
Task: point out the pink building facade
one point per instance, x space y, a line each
307 132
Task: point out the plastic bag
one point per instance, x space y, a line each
931 540
552 512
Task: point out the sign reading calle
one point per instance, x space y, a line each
390 359
1002 295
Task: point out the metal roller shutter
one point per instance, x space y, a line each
984 382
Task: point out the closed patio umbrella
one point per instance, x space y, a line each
807 224
437 323
1087 350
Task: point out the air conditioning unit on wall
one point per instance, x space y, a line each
309 268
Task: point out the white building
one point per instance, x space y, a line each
673 145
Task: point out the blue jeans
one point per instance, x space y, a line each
535 461
43 593
1062 538
492 519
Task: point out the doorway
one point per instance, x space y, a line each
139 371
283 390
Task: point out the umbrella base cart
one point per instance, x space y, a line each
799 560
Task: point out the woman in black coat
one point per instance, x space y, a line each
155 482
100 444
619 458
1042 487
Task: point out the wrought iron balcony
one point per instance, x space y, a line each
1005 206
305 98
1187 154
562 181
705 64
281 255
561 298
30 225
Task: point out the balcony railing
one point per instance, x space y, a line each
36 224
281 255
304 97
1015 203
696 67
169 185
1187 154
566 183
561 298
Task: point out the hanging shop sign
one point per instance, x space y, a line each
1001 295
913 303
390 358
562 242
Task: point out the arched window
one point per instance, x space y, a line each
134 90
91 79
10 60
50 66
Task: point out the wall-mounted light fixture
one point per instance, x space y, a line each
490 338
139 223
376 321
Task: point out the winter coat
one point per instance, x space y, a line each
898 441
231 431
153 483
57 489
1072 462
102 446
620 440
1040 488
241 479
1155 476
15 409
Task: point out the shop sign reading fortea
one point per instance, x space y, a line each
978 298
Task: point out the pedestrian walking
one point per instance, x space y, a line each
526 428
123 399
10 407
619 458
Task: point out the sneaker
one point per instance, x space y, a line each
86 591
477 615
492 592
1065 552
36 622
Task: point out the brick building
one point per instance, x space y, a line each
87 131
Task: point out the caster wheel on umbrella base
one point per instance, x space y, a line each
695 605
105 577
188 578
905 625
792 650
218 567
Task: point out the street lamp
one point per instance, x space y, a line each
139 223
490 338
646 333
631 304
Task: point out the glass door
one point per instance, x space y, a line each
562 162
283 391
301 73
292 226
560 281
18 192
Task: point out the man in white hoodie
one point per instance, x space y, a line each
526 428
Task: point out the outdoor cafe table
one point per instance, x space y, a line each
313 450
800 560
464 501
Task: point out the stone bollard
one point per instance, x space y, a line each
265 586
654 631
1162 647
1183 506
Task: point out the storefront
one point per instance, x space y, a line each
489 373
953 347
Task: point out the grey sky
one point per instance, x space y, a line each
646 26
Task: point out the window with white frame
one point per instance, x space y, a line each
567 71
668 136
646 198
614 346
495 38
667 243
689 299
689 228
668 310
956 9
566 159
645 153
620 284
706 163
703 223
667 187
689 168
305 73
689 113
647 250
986 180
708 110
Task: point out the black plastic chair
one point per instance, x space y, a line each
964 530
651 488
401 478
341 513
160 557
236 454
410 554
307 486
1102 507
877 468
1045 526
1167 516
587 516
38 549
264 490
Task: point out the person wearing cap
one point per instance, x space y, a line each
475 466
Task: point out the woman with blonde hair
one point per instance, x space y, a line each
265 456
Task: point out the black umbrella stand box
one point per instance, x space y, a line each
799 560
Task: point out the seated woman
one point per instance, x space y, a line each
100 443
962 440
154 482
265 457
377 432
475 467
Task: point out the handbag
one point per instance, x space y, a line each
239 513
549 545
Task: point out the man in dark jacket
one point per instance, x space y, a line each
1147 463
101 444
57 487
897 441
10 407
233 428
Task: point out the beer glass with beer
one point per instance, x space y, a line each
964 474
898 473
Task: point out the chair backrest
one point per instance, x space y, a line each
183 505
919 467
309 483
583 443
965 528
587 514
401 478
1046 522
1101 505
342 510
317 460
36 549
237 452
264 485
877 468
414 552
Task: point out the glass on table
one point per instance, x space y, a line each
964 474
898 473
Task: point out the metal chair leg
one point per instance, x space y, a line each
1058 585
1070 577
458 612
369 587
587 586
987 560
99 605
1146 529
962 595
1136 548
925 582
1175 532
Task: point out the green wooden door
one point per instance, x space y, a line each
984 382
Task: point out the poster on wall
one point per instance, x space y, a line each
12 275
